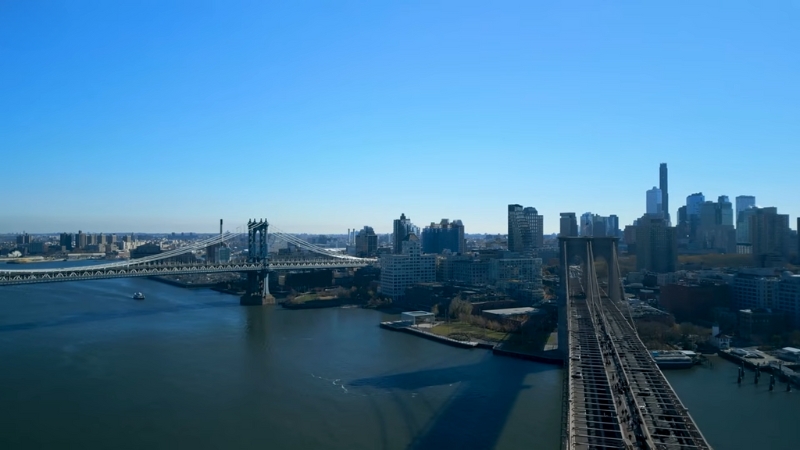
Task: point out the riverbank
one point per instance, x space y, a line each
552 357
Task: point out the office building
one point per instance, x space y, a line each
410 266
401 230
442 236
654 205
656 245
769 237
743 226
725 211
693 203
587 224
743 202
568 225
663 185
366 243
525 229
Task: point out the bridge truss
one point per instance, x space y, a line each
618 398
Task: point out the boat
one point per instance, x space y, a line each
138 296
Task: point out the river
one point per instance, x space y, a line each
83 365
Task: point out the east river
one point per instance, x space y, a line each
83 365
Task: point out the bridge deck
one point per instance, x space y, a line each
619 398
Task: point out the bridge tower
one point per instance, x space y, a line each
257 292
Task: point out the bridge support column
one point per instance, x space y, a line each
257 292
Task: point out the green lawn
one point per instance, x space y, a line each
462 328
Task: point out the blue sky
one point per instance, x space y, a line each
328 115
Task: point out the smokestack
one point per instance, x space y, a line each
220 227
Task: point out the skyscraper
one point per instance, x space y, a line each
663 185
402 229
654 199
525 229
743 202
725 210
366 242
769 234
568 225
442 236
656 245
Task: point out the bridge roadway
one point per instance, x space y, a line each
617 396
132 269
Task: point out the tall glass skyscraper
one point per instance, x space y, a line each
663 185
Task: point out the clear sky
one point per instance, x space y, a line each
328 115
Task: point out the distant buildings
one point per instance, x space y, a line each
568 225
525 229
442 236
663 179
742 203
410 266
769 235
366 243
656 245
654 199
402 229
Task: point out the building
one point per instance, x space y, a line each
23 239
81 240
760 322
656 245
525 229
663 179
410 266
788 297
568 225
725 211
753 289
587 224
65 241
442 236
743 226
654 198
743 202
144 250
366 243
769 235
401 230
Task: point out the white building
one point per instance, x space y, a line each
400 271
654 200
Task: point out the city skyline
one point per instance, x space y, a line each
322 119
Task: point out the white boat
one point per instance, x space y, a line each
138 296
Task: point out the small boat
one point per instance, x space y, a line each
138 296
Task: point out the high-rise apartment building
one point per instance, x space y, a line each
65 241
402 229
663 179
568 225
366 242
442 236
769 234
410 266
654 199
656 245
743 202
525 229
81 240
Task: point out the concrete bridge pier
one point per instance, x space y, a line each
257 292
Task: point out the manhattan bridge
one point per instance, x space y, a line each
257 265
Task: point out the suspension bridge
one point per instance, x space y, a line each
257 265
616 396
